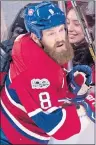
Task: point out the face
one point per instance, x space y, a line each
75 32
56 44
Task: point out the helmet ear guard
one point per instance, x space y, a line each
73 86
34 29
42 16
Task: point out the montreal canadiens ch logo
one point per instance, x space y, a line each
30 12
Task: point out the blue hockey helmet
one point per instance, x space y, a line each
42 16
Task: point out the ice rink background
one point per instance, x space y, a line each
9 9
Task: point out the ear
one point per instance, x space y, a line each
35 39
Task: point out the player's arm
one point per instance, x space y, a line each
42 107
80 84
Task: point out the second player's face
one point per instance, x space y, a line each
75 32
54 42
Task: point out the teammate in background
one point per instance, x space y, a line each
30 110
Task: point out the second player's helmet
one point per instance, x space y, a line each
42 16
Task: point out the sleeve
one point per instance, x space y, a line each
39 93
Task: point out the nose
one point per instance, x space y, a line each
59 37
70 27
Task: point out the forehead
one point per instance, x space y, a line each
54 28
72 15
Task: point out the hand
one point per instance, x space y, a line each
80 80
89 105
85 106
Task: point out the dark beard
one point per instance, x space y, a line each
61 57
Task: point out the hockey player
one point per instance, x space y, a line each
30 110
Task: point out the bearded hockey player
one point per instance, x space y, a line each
30 110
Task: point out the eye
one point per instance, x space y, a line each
62 29
52 33
77 24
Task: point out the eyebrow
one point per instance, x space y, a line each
51 30
73 20
76 20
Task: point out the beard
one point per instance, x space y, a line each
63 56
